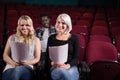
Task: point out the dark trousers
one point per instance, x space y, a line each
40 68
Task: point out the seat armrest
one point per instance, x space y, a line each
84 70
83 67
2 66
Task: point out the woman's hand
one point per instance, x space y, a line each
14 64
23 63
66 66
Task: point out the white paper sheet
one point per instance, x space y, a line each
19 51
58 54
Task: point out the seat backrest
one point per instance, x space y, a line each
85 23
100 38
115 31
99 50
100 23
105 70
117 42
83 44
99 30
80 30
114 23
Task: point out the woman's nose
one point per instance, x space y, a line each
60 24
24 27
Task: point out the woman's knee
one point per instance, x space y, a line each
73 70
59 73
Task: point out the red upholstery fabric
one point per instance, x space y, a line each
100 23
117 43
100 38
83 44
99 50
85 23
99 30
80 30
115 31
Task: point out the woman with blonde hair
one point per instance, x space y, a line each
66 70
17 70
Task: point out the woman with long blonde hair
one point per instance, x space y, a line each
17 70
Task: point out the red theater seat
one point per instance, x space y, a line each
105 70
99 30
100 38
99 50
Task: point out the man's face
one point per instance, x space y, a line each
45 21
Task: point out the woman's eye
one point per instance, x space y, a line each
27 25
63 23
21 25
24 25
58 22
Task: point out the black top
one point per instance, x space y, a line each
73 49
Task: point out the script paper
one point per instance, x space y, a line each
59 54
20 51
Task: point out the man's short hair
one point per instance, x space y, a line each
44 14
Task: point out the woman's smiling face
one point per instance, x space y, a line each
24 27
60 25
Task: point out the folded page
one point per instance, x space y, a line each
19 51
59 54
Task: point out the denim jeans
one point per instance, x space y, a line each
18 73
64 74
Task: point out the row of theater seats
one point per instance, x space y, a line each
98 30
99 49
98 59
13 11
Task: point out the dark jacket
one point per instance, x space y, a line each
40 31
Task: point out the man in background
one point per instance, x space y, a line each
43 32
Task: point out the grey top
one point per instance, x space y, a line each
31 48
31 51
